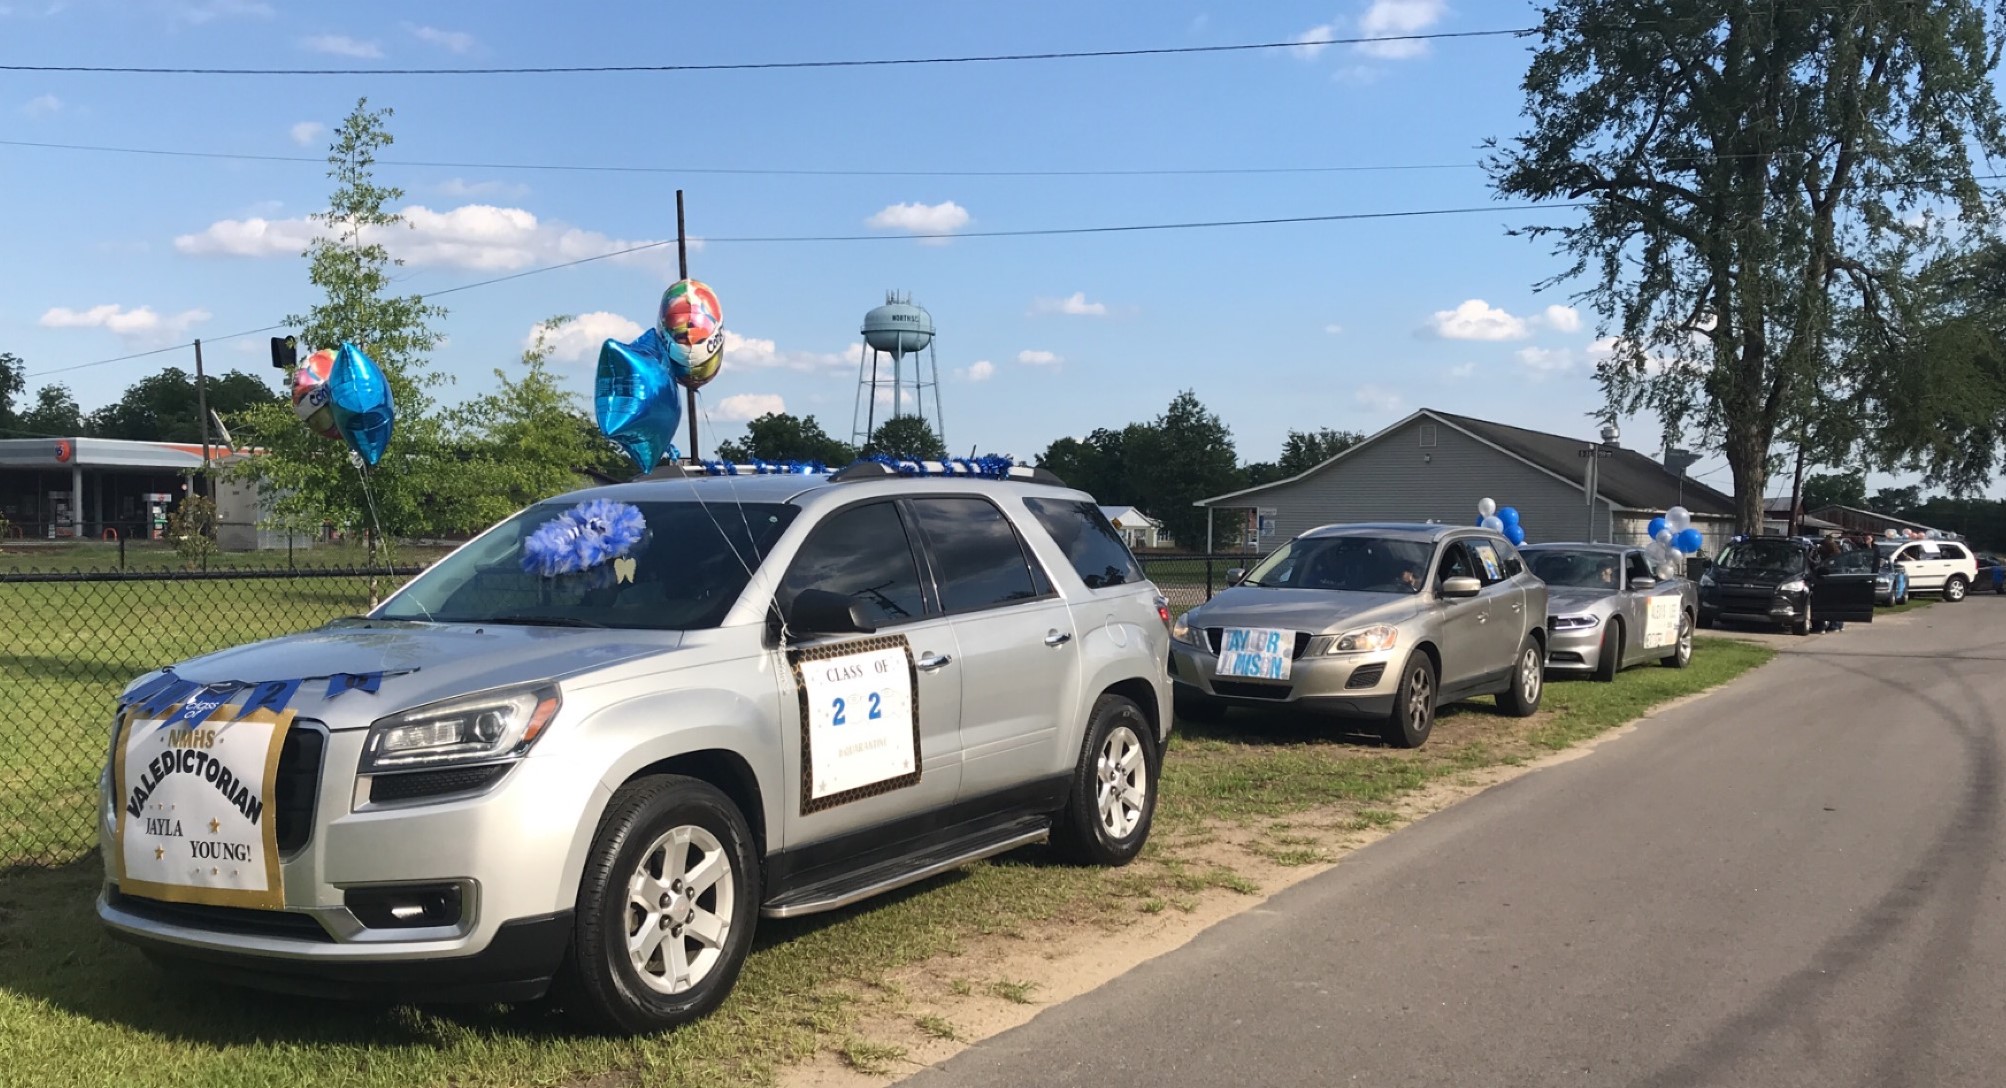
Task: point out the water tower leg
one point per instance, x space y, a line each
898 380
939 422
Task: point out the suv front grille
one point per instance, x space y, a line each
298 792
1213 636
1238 689
232 920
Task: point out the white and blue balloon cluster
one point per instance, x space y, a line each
1672 537
1500 519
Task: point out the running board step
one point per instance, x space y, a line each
841 891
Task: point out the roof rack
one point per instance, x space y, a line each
989 468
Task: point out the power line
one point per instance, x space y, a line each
748 66
759 171
769 239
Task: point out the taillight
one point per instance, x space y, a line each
1163 610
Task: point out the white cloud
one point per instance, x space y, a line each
743 407
308 133
207 10
1377 398
1462 370
761 354
578 340
1314 35
1075 304
1031 357
981 370
1333 328
42 105
1476 319
1542 363
482 237
464 189
139 323
452 41
341 45
1561 319
945 217
1387 18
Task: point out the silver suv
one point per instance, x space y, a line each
1383 622
780 695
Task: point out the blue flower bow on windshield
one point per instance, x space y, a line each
586 536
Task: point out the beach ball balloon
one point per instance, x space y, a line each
691 325
312 400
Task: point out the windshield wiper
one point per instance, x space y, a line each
534 621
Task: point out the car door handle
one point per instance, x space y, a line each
929 662
1058 638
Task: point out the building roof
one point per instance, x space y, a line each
1128 517
1627 479
1888 520
63 453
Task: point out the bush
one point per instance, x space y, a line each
192 528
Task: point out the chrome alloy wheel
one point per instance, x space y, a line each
1531 674
1121 782
1420 699
679 908
1685 651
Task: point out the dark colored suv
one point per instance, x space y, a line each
1783 580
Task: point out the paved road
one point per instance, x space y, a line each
1796 881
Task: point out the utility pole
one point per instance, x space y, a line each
1796 494
683 273
202 411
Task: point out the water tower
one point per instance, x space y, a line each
904 332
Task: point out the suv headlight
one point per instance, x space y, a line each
1706 580
473 729
1575 623
1364 640
1794 585
1182 631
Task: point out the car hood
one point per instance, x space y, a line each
1576 600
421 662
1317 611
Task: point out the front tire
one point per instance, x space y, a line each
1804 625
1528 682
1682 654
1113 796
1953 588
666 908
1413 714
1609 656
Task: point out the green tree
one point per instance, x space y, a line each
1184 455
778 436
907 437
163 407
1895 502
308 478
1835 489
1304 450
1261 472
1094 464
55 413
523 441
192 528
1751 170
12 382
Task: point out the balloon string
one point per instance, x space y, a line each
375 520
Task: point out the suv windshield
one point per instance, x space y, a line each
691 563
1357 564
1763 556
1583 569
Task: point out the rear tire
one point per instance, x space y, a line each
1682 653
1413 715
1528 681
1953 588
1113 795
673 859
1803 626
1609 658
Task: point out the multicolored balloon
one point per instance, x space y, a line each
310 394
690 324
635 399
359 396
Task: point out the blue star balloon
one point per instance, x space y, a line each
359 396
636 398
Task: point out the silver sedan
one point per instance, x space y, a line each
1608 611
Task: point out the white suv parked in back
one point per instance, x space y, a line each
1944 567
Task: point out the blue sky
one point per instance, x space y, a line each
1346 325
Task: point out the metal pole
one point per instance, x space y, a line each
1208 530
1594 455
202 410
683 273
1795 521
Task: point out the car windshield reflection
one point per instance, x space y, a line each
1576 569
1348 564
1762 557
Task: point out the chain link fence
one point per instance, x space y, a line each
70 641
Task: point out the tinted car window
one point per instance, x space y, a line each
861 552
977 557
1639 566
1578 568
1091 544
1455 564
1954 551
1763 557
1354 564
1853 562
1485 562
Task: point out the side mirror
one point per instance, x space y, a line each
1235 576
1458 588
820 612
1643 583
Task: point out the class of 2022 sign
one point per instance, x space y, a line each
859 721
197 819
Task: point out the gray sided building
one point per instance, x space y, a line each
1436 466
